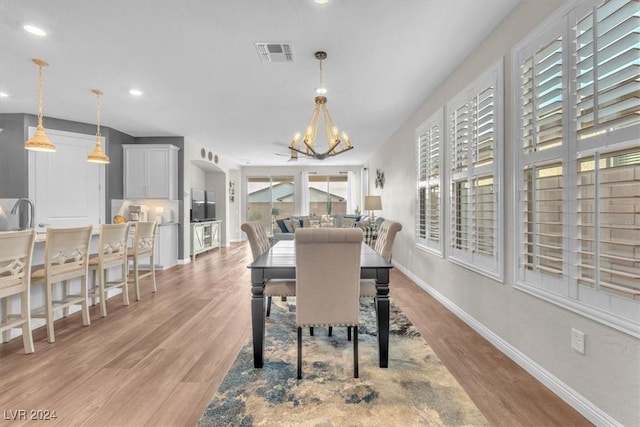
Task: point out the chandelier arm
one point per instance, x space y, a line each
332 137
311 132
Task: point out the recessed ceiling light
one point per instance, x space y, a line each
136 92
4 95
321 1
35 30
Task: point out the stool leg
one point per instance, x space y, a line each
153 272
103 293
6 302
65 291
125 286
86 319
51 337
135 276
94 276
27 337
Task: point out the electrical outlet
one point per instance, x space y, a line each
577 340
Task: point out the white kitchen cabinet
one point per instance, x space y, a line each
166 249
204 236
150 171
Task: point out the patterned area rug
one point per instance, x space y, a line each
416 389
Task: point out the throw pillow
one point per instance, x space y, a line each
348 222
289 225
281 225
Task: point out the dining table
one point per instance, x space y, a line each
279 262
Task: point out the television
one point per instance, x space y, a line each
198 212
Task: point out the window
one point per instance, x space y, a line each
327 194
475 137
429 183
579 161
269 199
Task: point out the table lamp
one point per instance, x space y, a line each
372 203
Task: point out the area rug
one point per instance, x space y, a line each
416 389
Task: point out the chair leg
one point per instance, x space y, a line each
27 336
94 277
330 331
135 276
268 306
125 286
51 337
153 272
355 352
299 353
65 291
348 334
311 331
6 303
86 319
103 292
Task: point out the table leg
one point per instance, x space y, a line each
382 301
257 316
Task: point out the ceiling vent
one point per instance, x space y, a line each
274 52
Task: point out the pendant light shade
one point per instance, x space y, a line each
97 155
39 141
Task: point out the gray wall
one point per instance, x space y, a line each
603 384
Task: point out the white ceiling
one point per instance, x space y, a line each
202 79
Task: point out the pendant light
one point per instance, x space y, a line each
97 155
39 141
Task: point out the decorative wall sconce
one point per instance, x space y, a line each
232 191
379 178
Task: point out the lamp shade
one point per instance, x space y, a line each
372 203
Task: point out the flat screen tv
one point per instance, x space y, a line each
198 213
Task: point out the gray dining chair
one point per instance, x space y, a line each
259 242
386 235
328 282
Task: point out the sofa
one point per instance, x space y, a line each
286 227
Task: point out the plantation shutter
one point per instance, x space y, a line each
542 98
609 201
543 225
428 213
421 223
608 68
484 132
484 216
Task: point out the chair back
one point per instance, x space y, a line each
258 239
144 238
327 276
15 261
113 244
66 253
386 235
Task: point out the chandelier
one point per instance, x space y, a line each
308 147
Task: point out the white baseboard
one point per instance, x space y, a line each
565 392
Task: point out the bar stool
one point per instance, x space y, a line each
15 279
112 252
143 248
66 256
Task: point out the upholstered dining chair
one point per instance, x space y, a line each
386 235
144 241
15 279
328 282
259 242
66 257
112 253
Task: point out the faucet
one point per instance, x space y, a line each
18 203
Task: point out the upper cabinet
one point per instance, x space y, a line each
150 171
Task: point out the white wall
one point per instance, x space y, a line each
604 384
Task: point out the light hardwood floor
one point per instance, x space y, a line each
159 361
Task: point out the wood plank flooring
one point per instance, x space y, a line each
159 361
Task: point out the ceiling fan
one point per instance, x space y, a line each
293 156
